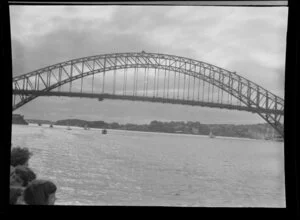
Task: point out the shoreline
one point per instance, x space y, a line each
145 132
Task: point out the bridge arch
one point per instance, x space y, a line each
266 104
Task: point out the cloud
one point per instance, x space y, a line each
62 45
269 78
250 41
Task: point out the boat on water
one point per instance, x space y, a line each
68 124
39 124
274 137
278 138
86 127
51 126
211 135
104 131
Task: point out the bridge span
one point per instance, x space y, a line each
101 97
150 77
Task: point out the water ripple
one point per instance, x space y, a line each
135 168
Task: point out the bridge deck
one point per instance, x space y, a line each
100 97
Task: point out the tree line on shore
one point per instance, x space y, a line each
256 131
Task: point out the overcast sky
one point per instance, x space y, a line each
248 40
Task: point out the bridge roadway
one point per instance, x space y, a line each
100 97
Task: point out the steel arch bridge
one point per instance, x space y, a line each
170 79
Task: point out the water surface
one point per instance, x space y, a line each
157 169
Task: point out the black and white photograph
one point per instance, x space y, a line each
148 105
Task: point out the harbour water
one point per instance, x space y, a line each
155 169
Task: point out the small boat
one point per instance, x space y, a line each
51 126
278 138
68 123
68 128
211 135
86 127
104 131
39 124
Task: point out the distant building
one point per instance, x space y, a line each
18 119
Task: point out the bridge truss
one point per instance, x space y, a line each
152 77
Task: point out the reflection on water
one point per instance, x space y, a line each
136 168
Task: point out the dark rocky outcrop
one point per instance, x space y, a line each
18 119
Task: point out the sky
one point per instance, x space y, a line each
248 40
